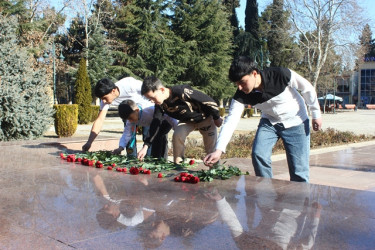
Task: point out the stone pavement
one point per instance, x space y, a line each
327 164
48 203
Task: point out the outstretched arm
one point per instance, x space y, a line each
95 130
230 124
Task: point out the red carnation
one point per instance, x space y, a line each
184 174
98 164
113 164
191 162
91 163
62 156
124 170
78 160
183 178
69 159
160 175
177 179
134 170
147 171
119 169
196 179
109 168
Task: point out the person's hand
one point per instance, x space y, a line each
142 153
317 124
86 147
118 150
212 158
218 122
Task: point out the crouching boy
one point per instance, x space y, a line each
142 115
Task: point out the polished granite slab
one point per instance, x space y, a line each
47 203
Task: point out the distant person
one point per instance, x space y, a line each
193 109
280 94
113 94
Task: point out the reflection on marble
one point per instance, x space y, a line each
46 203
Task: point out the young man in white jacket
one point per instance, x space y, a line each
113 94
281 94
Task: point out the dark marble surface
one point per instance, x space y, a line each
47 203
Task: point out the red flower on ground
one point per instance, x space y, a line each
98 164
119 169
184 174
177 179
62 156
124 170
183 178
90 163
160 175
191 162
134 170
109 168
195 180
113 164
78 160
147 171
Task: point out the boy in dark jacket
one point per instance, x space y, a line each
193 109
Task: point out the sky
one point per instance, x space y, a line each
367 5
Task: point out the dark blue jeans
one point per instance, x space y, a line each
297 146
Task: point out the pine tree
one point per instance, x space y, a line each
205 31
275 29
100 56
247 42
231 6
25 108
83 94
367 44
251 18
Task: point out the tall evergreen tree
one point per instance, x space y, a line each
247 42
367 43
231 6
100 55
25 106
204 28
275 29
83 94
251 18
151 46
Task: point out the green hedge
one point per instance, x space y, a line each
66 119
222 112
94 112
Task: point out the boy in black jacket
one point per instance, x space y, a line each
194 110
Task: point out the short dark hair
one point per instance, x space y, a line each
125 108
240 67
150 83
104 87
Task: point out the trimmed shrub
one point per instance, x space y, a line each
222 112
66 119
94 112
83 94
